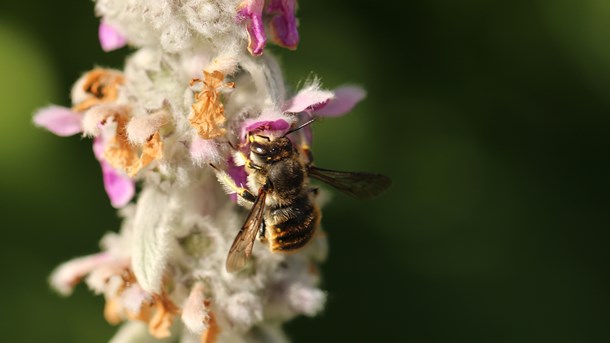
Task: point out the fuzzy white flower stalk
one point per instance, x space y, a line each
199 82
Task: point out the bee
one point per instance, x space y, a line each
284 212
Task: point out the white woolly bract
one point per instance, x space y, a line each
175 26
243 309
306 299
141 128
153 224
205 151
133 332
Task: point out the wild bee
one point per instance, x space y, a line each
284 212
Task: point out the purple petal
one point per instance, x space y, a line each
61 121
119 187
238 174
110 38
98 148
346 98
284 24
268 125
309 99
268 121
251 11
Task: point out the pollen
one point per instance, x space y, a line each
207 111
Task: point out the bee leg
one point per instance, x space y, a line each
305 150
261 232
231 187
242 160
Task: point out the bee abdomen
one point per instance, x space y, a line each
294 232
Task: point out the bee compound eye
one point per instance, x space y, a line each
259 150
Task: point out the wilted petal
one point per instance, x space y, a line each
210 335
110 38
152 150
207 111
69 274
284 23
204 151
346 98
251 11
61 121
311 98
161 322
119 187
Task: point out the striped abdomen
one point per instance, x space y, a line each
291 227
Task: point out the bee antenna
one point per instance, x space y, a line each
228 142
300 127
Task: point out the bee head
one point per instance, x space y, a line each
270 150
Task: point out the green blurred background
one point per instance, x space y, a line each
492 118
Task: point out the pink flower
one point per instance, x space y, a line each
309 102
69 274
110 38
119 187
63 121
283 23
59 120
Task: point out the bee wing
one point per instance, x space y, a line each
241 249
356 184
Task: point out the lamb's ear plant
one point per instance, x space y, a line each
197 84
